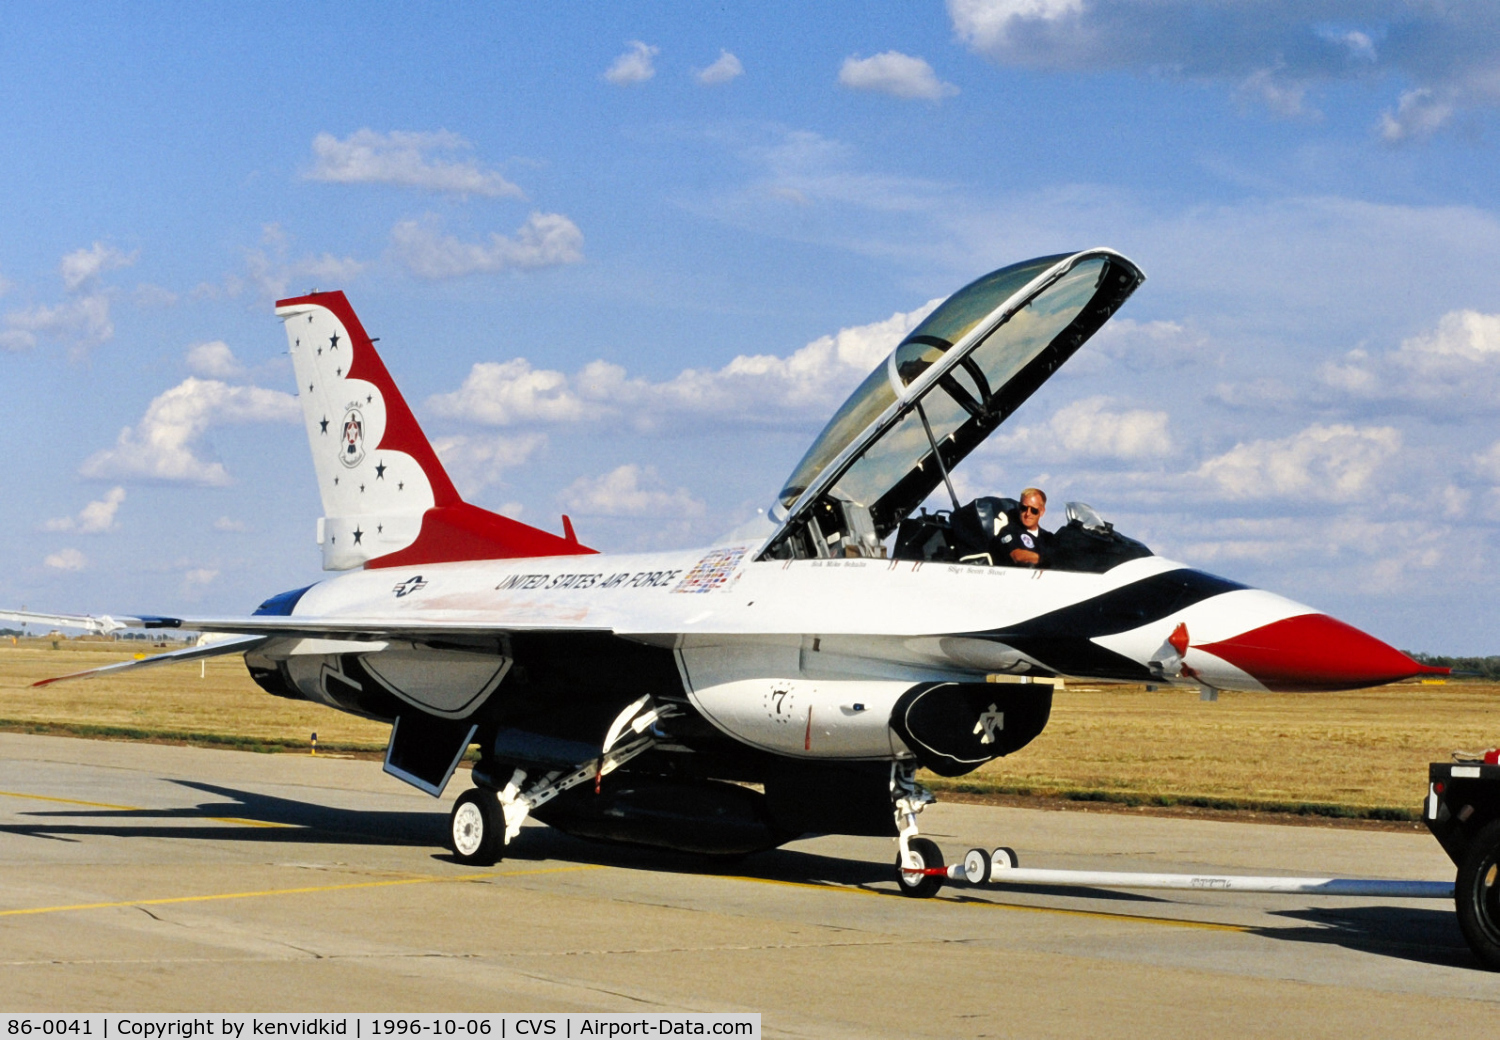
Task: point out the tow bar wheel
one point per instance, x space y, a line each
1477 895
923 873
976 866
476 829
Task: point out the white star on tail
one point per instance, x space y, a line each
988 723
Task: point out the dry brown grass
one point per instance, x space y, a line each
1367 749
224 703
1363 749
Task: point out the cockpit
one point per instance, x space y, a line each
982 532
944 389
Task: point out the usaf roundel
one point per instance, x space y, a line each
352 444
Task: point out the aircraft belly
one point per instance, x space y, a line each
759 694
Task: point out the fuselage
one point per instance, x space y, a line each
897 619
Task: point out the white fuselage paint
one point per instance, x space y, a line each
803 657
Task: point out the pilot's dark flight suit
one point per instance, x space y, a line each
1014 536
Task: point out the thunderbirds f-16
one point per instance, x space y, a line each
787 682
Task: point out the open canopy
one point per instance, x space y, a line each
948 385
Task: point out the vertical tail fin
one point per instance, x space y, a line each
387 501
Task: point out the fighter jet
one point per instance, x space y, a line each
790 679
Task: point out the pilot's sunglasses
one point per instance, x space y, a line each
1031 509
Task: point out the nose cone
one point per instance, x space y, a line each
1316 652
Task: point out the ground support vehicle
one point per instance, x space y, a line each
1463 813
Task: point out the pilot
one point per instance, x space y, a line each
1028 546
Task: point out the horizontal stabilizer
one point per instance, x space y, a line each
192 653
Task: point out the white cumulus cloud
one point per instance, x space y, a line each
196 581
82 267
1089 429
988 24
161 446
66 560
214 360
628 490
83 320
1456 365
758 388
476 463
545 240
271 270
432 160
1324 463
1419 114
95 518
634 66
1270 51
726 68
899 75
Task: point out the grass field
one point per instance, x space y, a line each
1362 753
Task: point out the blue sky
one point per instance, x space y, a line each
624 260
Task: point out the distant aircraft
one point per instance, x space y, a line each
782 682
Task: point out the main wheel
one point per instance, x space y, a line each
476 829
925 855
1477 895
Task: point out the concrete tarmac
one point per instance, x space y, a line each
143 877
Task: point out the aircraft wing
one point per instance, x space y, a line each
363 628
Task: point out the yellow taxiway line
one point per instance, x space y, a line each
218 896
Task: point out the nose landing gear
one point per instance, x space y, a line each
919 863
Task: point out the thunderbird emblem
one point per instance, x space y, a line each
352 444
988 723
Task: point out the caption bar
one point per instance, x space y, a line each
366 1027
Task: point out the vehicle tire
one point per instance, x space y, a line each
1476 895
476 828
924 855
976 866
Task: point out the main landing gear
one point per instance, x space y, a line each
484 820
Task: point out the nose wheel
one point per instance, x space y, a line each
921 871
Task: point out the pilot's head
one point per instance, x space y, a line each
1033 506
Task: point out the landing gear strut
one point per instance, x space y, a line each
919 863
484 821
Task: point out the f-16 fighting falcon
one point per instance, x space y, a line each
787 681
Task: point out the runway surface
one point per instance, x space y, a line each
143 877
